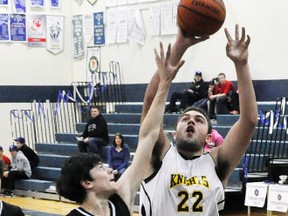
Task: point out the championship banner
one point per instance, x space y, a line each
18 27
55 3
36 30
78 37
93 61
37 3
55 34
99 33
3 2
4 27
88 27
19 6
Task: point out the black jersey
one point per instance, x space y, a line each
116 205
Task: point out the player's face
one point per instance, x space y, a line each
104 179
94 112
191 132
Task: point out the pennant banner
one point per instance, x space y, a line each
55 34
37 3
19 6
36 30
78 37
4 27
99 33
88 27
92 2
3 2
55 3
18 27
93 62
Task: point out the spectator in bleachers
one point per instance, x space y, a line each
95 135
216 140
222 100
20 170
29 153
6 163
196 92
118 155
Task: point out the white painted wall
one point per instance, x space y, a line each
266 22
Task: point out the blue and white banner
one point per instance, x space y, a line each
19 6
4 27
18 27
55 3
55 34
99 31
36 30
37 3
3 2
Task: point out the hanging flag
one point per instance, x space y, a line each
3 2
55 3
37 3
36 30
18 27
93 62
4 27
19 6
88 27
78 37
92 2
79 2
99 33
55 34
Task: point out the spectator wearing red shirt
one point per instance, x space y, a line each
222 100
6 161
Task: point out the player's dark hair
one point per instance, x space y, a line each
75 169
193 108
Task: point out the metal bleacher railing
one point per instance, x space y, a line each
40 123
270 140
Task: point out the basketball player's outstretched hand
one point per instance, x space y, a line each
189 40
237 49
167 72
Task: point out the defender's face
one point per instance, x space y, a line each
191 131
94 112
103 179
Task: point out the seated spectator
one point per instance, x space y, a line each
6 161
216 140
188 97
118 155
95 135
20 170
222 100
29 153
7 209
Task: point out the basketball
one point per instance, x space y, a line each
200 17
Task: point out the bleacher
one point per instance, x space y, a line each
126 120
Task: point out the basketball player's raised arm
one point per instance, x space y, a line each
239 136
141 166
177 51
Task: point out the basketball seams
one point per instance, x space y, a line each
200 14
221 5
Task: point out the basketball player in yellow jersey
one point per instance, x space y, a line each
186 181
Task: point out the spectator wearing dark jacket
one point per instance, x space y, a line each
95 134
196 92
29 153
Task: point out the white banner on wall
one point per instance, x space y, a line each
122 24
87 27
111 29
19 6
78 45
136 30
55 34
166 18
36 30
154 11
4 27
93 62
